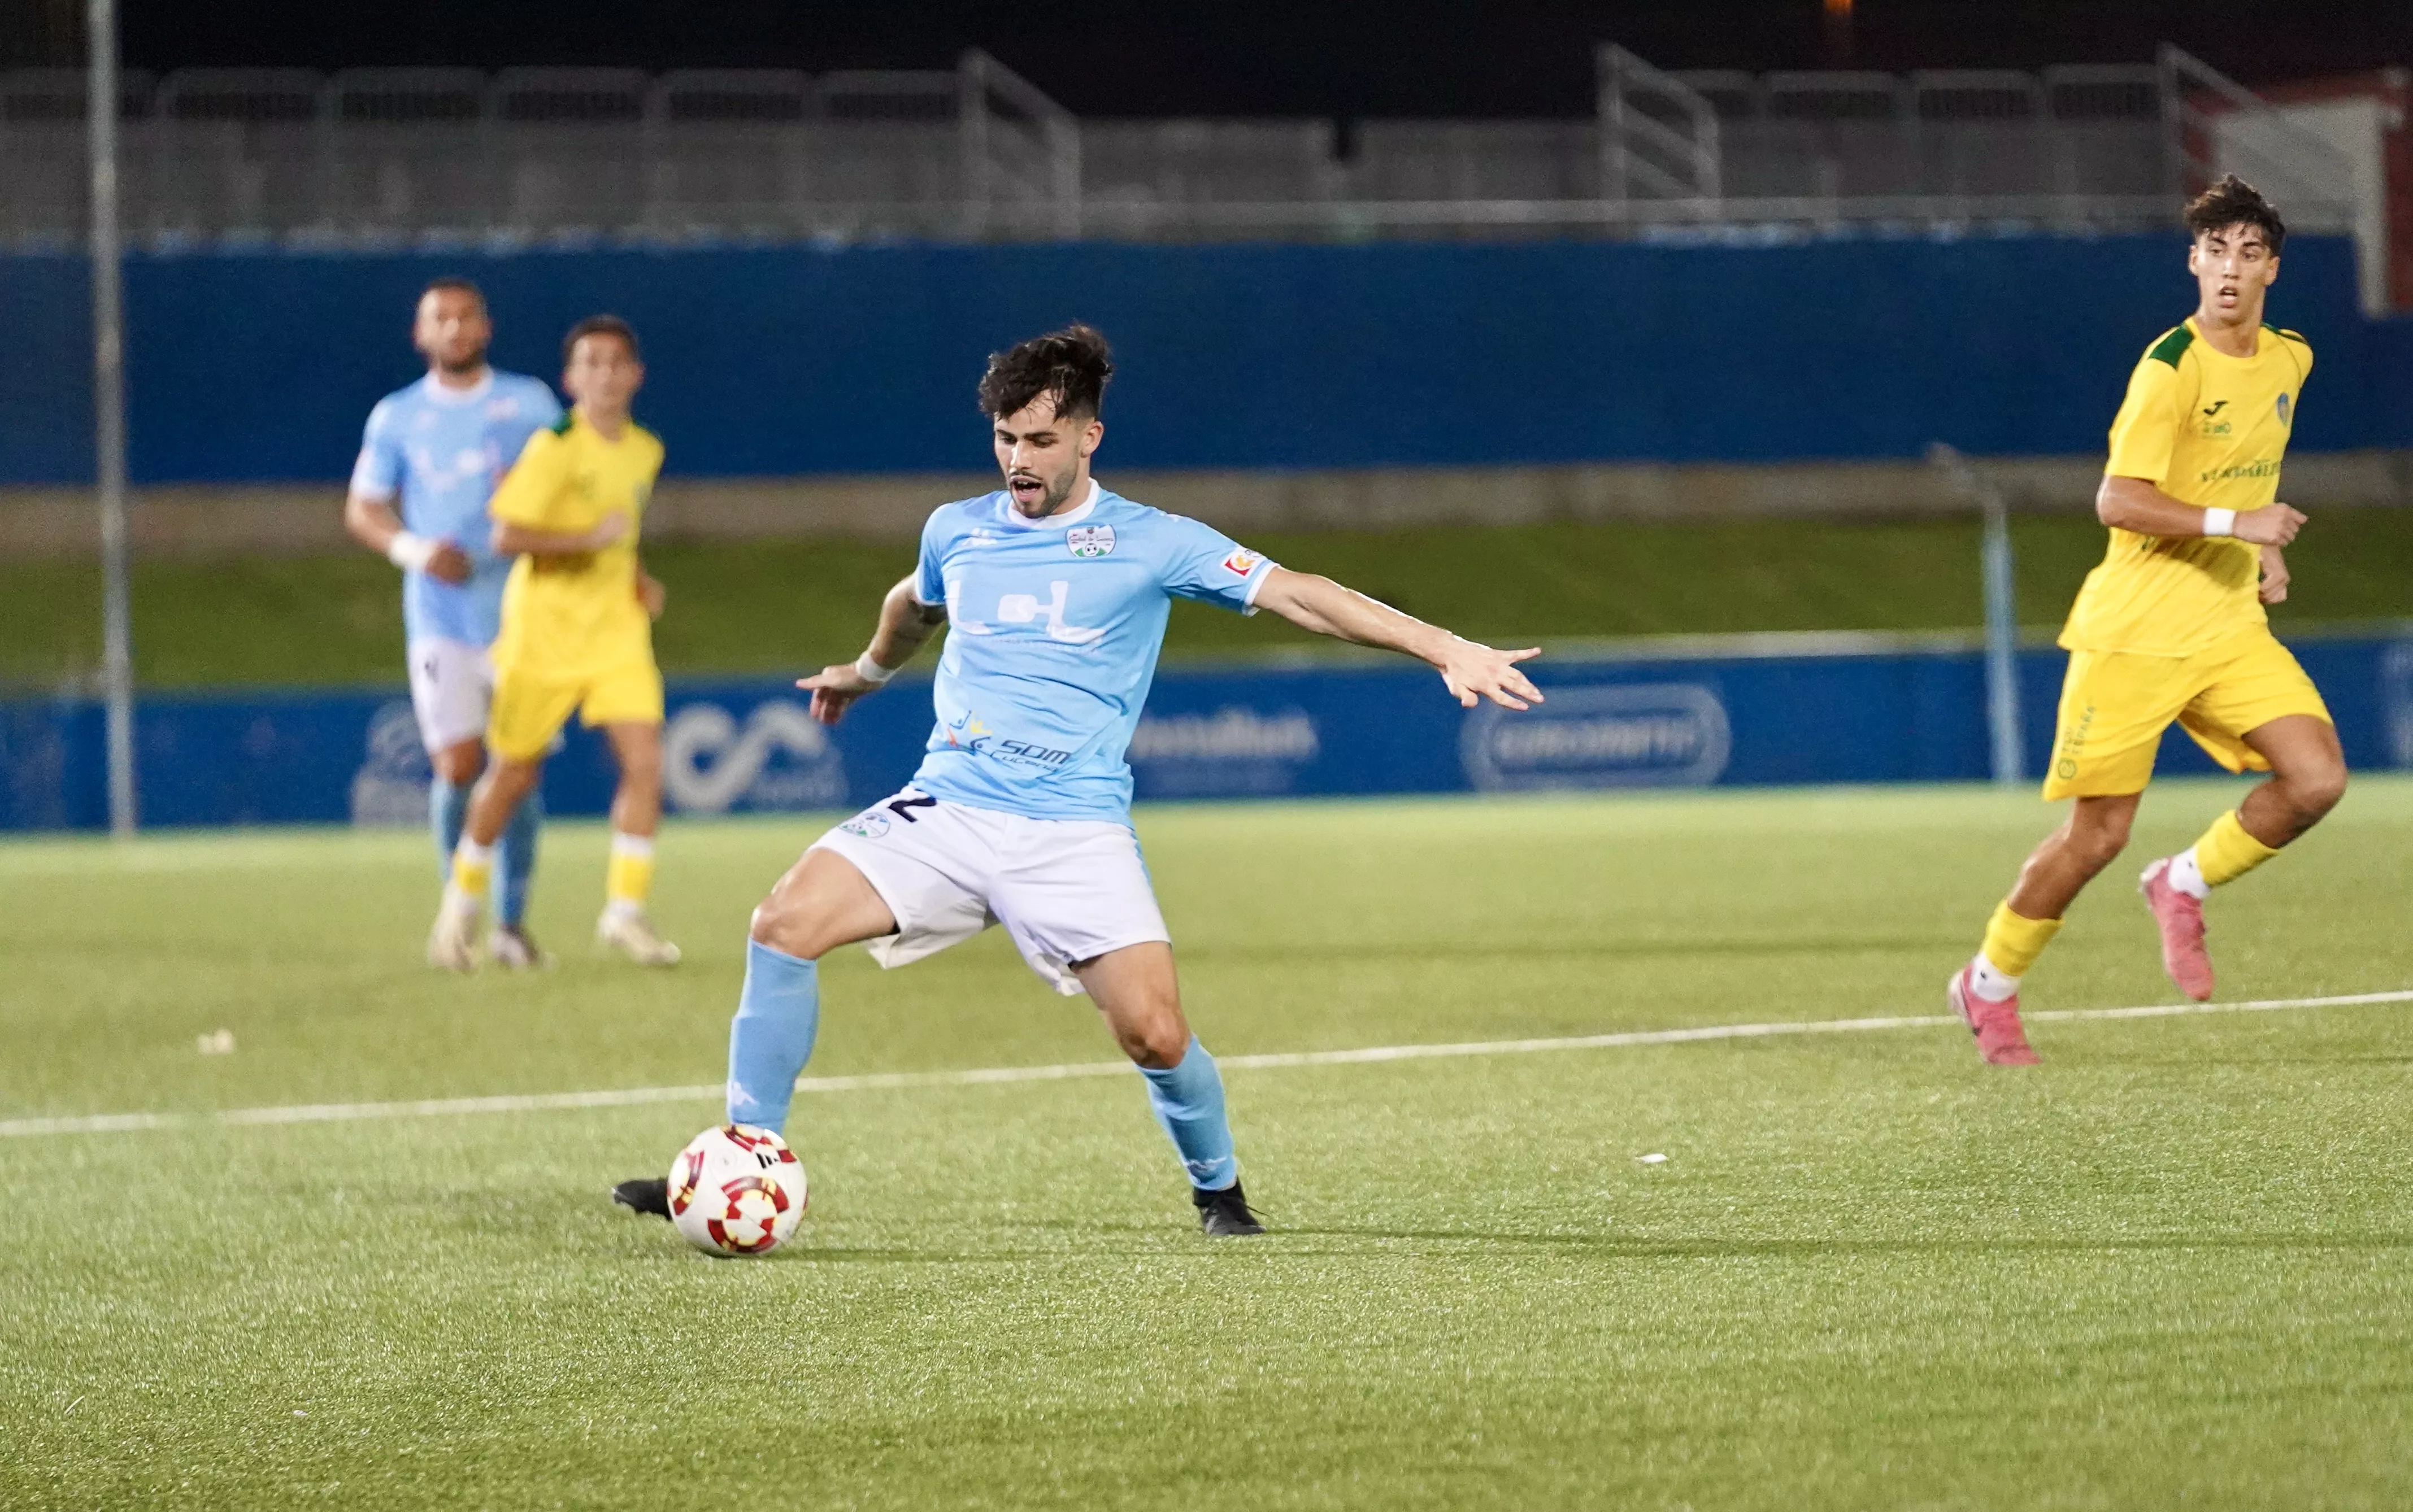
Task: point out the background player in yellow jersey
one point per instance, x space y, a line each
577 635
2171 627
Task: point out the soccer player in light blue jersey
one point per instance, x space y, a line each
432 454
1054 590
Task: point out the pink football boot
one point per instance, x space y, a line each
2181 919
2001 1041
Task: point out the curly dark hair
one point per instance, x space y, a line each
2233 202
1070 366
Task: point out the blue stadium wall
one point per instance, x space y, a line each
261 366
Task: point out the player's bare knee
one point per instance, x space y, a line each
2313 794
1158 1044
459 764
642 767
2094 846
780 924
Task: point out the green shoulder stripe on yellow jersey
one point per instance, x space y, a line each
2172 346
561 426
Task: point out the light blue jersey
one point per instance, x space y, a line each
440 452
1054 627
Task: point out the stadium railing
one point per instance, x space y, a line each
376 156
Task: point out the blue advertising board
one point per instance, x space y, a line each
1865 715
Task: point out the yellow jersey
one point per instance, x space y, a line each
2210 429
576 616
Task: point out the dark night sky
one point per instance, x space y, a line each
1403 58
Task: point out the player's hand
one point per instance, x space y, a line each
2273 524
450 563
614 526
2274 576
835 690
1473 671
652 594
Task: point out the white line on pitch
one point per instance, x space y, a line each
632 1096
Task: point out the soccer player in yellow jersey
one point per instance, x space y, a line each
2171 627
577 635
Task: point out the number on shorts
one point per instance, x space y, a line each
898 806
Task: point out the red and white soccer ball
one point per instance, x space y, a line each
737 1190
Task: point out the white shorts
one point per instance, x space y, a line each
451 684
1066 890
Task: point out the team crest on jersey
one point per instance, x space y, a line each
1241 562
1090 540
2284 407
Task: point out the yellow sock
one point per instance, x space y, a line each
2225 852
2013 941
473 868
630 871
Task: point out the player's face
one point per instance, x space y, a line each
451 329
2232 266
1043 455
603 374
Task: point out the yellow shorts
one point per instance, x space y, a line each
530 707
2115 706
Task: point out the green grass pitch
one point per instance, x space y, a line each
2172 1267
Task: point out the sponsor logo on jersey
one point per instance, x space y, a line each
1241 562
1090 540
966 733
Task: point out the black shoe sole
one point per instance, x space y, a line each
645 1194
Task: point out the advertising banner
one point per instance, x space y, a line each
1876 713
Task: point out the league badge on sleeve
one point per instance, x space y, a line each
1242 562
1090 540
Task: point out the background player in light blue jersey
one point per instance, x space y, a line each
431 456
1054 590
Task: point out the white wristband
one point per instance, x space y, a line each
410 552
871 671
2220 521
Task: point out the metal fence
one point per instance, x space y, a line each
369 157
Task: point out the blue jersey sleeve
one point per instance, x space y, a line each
1202 563
930 579
377 473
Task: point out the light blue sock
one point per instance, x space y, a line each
515 858
1188 1100
772 1037
448 809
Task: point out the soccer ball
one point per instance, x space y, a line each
736 1190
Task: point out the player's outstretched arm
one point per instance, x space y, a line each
2135 504
905 623
1470 670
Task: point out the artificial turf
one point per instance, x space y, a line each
2173 1266
776 606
